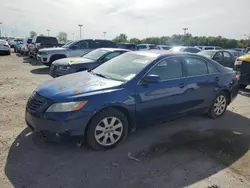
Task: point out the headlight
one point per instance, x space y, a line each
66 67
67 106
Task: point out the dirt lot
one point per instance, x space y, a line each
189 152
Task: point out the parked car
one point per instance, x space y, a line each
74 49
4 47
132 90
88 61
242 68
12 43
209 47
189 49
146 47
224 57
237 53
163 47
128 46
40 42
17 46
25 46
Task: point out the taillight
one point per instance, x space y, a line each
237 77
27 45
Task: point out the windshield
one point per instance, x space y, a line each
68 44
207 53
95 54
124 67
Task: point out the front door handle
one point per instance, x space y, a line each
217 79
181 85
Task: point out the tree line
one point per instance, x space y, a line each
187 40
62 36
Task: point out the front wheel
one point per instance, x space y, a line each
107 129
219 106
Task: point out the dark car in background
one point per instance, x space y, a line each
132 90
189 49
40 42
129 46
242 68
88 61
237 53
72 49
224 57
146 47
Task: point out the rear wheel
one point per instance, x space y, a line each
243 86
219 105
107 129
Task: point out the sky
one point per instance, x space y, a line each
135 18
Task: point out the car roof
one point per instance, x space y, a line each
158 53
115 49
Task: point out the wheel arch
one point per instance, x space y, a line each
227 92
125 111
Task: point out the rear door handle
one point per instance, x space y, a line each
217 79
181 85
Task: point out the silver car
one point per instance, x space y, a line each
72 49
25 46
4 47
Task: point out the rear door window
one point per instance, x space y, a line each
195 66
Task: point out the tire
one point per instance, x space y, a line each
101 139
243 86
8 53
219 106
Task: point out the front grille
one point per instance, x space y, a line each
36 102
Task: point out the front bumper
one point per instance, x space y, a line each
244 79
74 127
55 72
45 59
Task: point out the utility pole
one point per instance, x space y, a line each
185 30
73 36
48 31
0 29
184 36
80 25
104 35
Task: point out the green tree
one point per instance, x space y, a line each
135 41
121 38
62 36
33 34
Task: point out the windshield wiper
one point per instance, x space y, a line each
98 74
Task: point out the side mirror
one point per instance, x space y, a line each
151 78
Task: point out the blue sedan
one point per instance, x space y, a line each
130 91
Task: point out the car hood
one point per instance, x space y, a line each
72 61
244 58
52 49
69 87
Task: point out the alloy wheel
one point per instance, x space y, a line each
108 131
220 105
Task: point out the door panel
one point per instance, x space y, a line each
157 101
203 81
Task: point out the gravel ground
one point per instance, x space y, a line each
188 152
